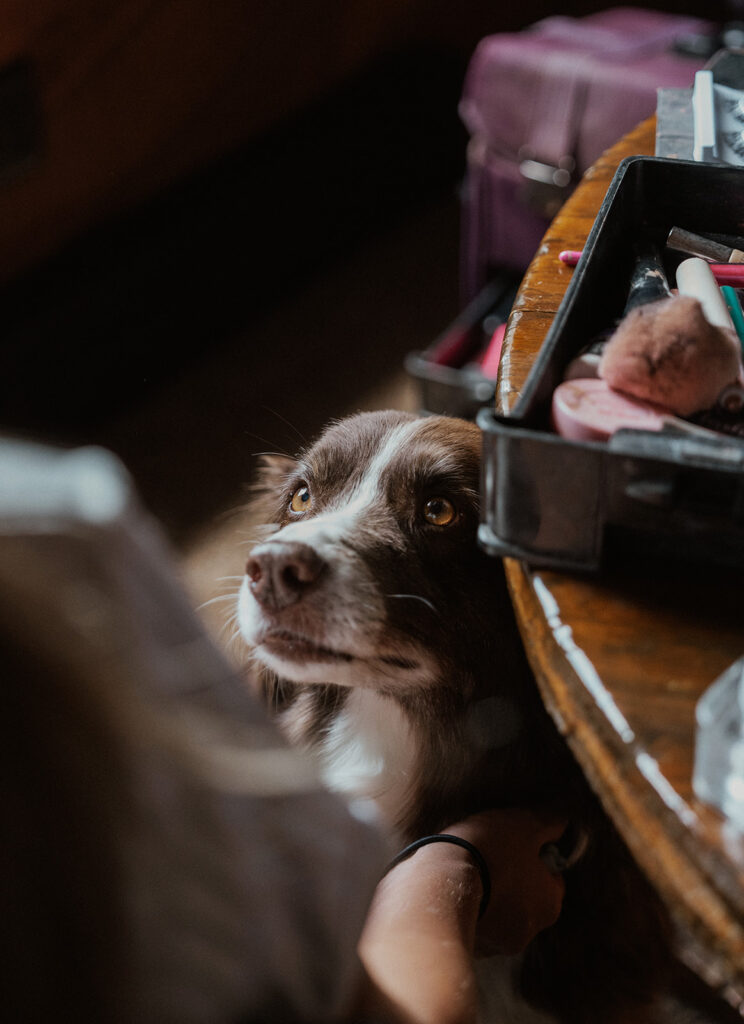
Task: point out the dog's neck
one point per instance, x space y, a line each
364 744
421 757
370 750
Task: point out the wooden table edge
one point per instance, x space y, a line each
717 950
638 810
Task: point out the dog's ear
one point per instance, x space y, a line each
267 489
273 471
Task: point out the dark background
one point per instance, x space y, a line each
223 224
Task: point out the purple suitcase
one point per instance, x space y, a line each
540 106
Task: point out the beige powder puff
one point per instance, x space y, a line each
666 352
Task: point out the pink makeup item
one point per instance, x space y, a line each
679 353
669 354
724 273
728 273
570 256
589 410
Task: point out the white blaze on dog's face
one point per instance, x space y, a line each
375 523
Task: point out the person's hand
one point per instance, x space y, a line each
422 932
526 897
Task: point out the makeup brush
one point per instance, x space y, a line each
648 283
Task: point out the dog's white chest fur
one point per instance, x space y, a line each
369 751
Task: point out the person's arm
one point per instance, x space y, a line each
423 933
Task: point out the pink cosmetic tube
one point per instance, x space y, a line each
729 273
570 256
724 273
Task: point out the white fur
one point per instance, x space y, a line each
370 751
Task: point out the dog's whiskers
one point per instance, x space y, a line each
233 637
215 600
230 587
273 449
417 597
279 416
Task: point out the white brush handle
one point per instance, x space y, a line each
704 117
695 278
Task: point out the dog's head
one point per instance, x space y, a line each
373 576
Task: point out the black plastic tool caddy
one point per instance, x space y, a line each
554 502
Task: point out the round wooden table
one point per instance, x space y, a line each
622 658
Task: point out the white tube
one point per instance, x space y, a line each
695 278
704 117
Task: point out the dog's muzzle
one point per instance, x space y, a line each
280 573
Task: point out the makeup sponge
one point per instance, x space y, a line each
668 353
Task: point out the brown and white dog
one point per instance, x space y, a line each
389 650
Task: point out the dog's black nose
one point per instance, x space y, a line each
281 572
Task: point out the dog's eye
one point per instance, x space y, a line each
301 500
440 512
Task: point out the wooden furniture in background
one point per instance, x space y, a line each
103 103
128 96
622 658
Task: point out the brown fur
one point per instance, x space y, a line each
484 736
